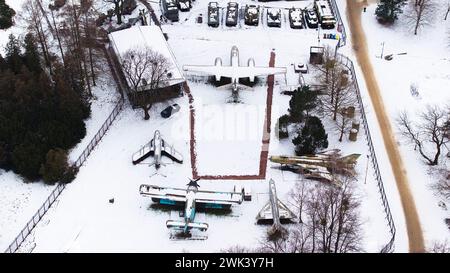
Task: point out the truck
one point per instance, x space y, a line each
325 14
251 16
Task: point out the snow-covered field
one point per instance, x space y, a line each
426 65
19 200
17 29
83 220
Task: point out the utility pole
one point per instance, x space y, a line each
382 50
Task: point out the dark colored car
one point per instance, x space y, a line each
213 14
296 18
274 17
169 110
232 14
311 18
251 16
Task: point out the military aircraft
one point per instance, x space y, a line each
235 71
320 166
191 198
274 211
157 147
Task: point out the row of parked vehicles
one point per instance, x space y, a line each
298 18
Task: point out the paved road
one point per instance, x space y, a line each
415 235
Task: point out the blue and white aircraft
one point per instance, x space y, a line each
191 198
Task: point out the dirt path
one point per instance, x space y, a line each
415 235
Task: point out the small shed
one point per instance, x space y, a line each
316 55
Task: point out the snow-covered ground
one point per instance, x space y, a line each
84 220
17 29
19 200
426 65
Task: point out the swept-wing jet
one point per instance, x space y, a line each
157 148
235 71
191 198
275 210
320 166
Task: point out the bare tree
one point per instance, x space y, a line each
343 123
421 13
331 222
297 198
145 69
442 185
440 247
118 9
33 17
429 131
339 92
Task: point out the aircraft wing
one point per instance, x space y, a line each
163 195
229 72
146 151
170 152
219 71
266 212
218 200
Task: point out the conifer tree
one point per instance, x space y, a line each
31 55
302 101
388 10
6 15
13 54
311 137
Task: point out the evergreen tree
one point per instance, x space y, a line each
37 115
3 64
302 101
388 10
6 15
13 54
55 166
311 137
31 55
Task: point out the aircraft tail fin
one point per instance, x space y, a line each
180 225
232 85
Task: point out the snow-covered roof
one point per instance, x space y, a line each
296 14
150 36
323 8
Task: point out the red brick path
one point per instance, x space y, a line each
265 140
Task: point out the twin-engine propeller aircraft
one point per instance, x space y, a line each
191 198
157 147
235 71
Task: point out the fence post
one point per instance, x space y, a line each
349 64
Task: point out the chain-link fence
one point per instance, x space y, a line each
340 23
349 64
17 242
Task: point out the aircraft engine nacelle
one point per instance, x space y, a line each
251 63
217 63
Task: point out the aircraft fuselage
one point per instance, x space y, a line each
234 61
158 144
189 210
